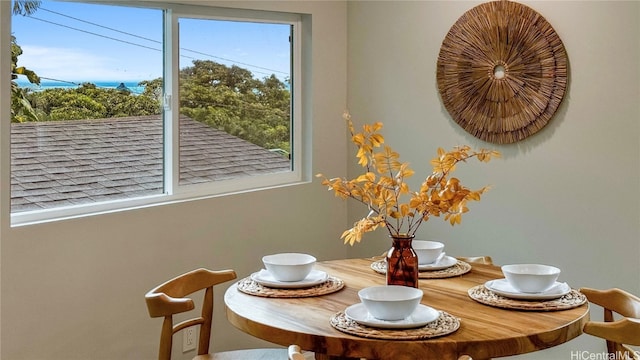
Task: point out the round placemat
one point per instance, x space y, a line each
249 286
485 296
446 324
502 71
458 269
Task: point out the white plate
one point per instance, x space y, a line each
264 277
420 317
443 263
503 288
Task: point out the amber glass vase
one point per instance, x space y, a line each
402 262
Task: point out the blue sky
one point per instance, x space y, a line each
87 42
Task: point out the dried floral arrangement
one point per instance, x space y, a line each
383 189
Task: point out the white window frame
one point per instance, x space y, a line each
300 140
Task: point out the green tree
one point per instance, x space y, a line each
25 7
232 100
90 102
120 103
153 88
227 98
21 109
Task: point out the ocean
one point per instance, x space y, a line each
131 85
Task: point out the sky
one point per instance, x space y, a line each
87 42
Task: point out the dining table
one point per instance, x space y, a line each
473 321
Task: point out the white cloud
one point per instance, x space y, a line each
73 64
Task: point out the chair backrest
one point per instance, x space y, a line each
617 332
477 259
171 298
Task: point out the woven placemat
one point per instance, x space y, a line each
485 296
446 324
251 287
458 269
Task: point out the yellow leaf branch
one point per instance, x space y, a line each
382 187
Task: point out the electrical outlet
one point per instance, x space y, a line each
189 339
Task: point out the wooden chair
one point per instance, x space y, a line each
170 298
296 354
619 333
476 259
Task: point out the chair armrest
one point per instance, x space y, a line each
624 331
161 304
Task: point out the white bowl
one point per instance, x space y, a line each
427 251
390 302
289 266
530 278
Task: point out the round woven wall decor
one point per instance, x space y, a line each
502 71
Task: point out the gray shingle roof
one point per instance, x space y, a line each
84 161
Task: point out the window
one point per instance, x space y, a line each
136 106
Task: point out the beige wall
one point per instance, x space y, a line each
75 289
568 195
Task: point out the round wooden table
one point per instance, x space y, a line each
485 331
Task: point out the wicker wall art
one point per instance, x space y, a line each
502 72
